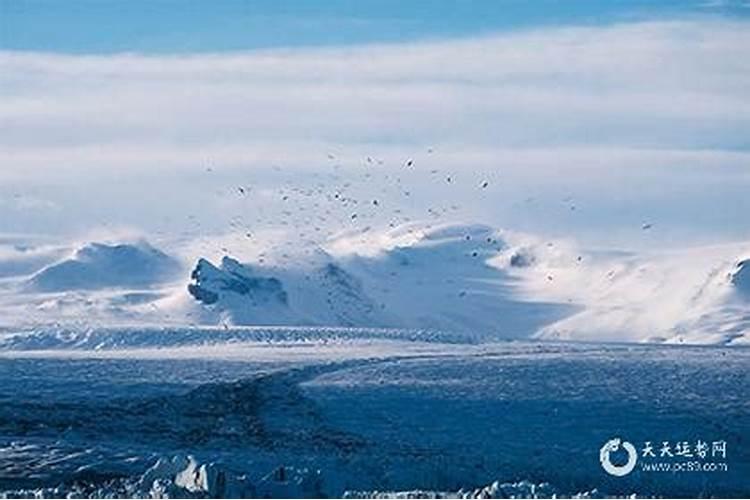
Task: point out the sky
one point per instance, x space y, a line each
185 26
585 119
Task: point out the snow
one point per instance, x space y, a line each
423 278
470 278
99 265
462 278
689 296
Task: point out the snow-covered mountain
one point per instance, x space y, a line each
413 277
695 295
473 279
97 265
467 279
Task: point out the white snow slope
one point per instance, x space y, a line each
462 278
98 265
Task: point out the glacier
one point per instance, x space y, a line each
348 413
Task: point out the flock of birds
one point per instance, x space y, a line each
318 205
311 207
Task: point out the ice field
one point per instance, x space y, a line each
329 412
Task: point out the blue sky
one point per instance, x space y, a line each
185 26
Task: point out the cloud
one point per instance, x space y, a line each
557 94
635 122
724 4
19 202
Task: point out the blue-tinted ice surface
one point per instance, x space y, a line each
440 418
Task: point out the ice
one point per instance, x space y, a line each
182 475
107 338
520 489
323 418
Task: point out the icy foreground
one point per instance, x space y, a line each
465 279
182 476
347 413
